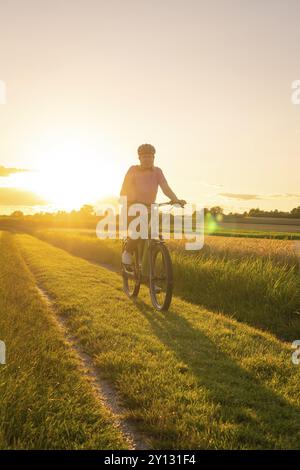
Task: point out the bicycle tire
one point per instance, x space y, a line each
163 304
131 281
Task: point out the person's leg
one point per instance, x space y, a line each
131 244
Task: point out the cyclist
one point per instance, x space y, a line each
141 185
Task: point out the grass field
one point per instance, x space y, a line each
255 233
46 402
253 280
189 378
265 228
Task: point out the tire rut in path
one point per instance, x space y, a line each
104 392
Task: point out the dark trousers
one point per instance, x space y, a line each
131 245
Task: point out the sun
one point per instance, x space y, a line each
72 171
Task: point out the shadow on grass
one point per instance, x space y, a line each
254 307
256 310
263 419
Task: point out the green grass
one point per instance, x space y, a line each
254 281
248 233
252 290
189 378
258 230
46 401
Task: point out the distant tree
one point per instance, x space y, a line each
17 214
216 210
254 212
87 210
296 212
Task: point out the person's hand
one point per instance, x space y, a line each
180 202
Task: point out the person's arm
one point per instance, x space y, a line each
168 191
127 183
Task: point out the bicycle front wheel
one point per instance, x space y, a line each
161 277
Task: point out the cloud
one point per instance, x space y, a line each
19 197
285 196
244 197
8 171
248 197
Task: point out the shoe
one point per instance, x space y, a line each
126 258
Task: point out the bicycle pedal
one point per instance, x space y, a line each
128 268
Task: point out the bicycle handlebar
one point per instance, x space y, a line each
170 203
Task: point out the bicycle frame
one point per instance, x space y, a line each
149 253
144 250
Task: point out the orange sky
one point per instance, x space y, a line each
208 83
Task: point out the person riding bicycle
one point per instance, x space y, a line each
140 185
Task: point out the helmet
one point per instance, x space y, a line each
146 148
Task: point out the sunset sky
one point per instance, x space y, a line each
208 83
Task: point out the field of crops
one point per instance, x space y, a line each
253 280
190 378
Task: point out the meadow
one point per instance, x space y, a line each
46 401
191 378
253 280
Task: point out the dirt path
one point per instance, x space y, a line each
104 392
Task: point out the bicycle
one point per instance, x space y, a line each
151 265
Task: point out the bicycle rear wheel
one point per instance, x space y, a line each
161 277
131 277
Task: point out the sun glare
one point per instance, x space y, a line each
71 172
